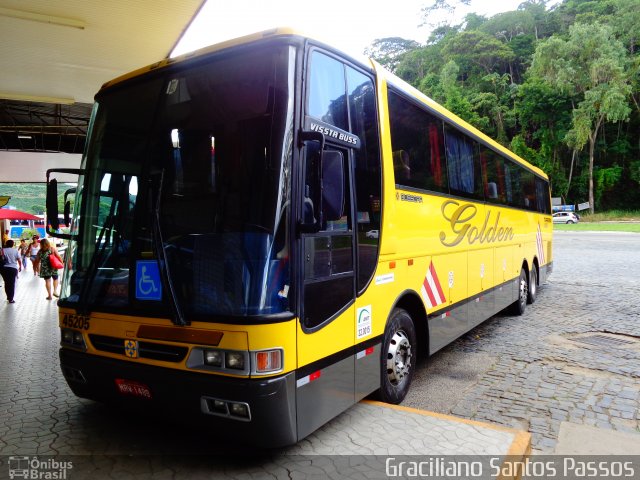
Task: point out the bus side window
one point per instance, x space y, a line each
401 166
418 145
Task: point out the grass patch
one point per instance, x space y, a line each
610 221
612 216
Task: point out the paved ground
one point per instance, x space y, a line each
40 419
574 356
540 373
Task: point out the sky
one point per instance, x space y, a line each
350 25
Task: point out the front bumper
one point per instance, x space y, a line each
271 400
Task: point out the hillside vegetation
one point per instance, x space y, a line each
28 197
559 86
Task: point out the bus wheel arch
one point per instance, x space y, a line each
411 302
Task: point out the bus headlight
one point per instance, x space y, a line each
213 358
67 336
72 338
235 360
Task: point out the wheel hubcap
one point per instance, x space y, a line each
398 358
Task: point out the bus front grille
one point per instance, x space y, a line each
151 350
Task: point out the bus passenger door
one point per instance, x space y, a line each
325 380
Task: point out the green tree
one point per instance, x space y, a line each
544 114
389 51
455 99
477 49
589 66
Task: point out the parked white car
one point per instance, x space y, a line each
565 217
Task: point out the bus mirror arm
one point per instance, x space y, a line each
310 136
67 205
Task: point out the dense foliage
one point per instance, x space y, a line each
559 86
28 197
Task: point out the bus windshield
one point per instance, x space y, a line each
186 192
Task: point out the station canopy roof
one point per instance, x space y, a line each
54 56
9 214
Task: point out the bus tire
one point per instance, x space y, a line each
398 358
517 307
533 285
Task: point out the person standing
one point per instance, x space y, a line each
23 250
10 270
47 272
34 248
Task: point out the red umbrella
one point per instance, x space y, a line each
7 214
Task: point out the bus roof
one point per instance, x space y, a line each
254 37
379 70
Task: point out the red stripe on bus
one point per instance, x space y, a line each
436 281
427 288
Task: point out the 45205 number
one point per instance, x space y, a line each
75 321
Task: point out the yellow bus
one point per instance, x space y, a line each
267 231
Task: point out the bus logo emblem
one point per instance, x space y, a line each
131 348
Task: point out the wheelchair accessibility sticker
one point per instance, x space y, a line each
148 285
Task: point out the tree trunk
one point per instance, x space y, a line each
592 147
573 158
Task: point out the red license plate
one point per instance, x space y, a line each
135 389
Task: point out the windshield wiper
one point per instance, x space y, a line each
92 269
161 254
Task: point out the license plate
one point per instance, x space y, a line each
135 389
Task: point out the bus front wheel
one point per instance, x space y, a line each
399 356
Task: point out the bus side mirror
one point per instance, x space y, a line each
52 206
52 201
310 221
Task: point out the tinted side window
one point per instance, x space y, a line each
463 165
528 185
327 99
513 173
368 172
543 204
418 146
493 176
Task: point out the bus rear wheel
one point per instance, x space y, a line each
517 307
533 285
399 356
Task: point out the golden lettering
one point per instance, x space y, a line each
459 217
